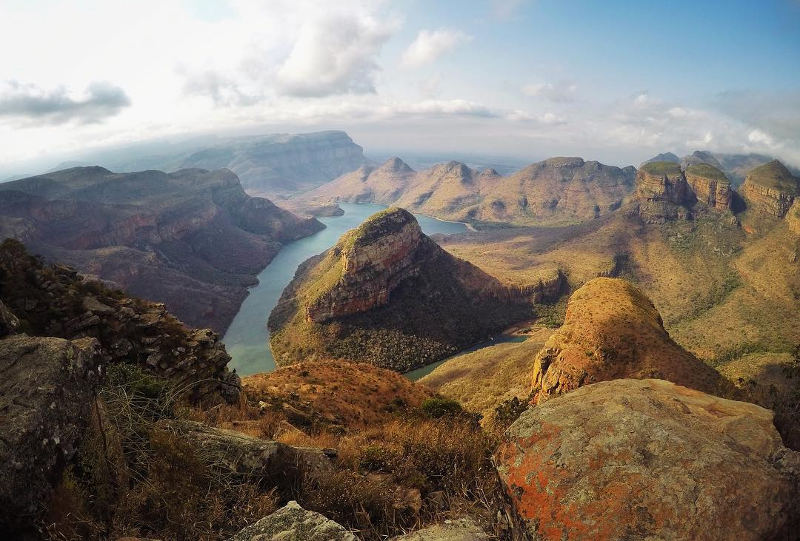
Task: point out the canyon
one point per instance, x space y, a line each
192 239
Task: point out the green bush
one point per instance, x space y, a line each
438 407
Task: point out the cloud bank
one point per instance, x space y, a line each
30 103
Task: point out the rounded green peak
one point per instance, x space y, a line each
774 175
662 168
706 171
380 224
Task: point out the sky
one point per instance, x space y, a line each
617 81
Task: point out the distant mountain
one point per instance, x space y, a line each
192 239
277 164
554 191
735 166
663 157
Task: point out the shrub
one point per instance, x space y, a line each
438 407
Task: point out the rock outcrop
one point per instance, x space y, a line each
57 301
612 330
462 529
793 217
293 523
192 239
246 457
9 323
355 395
710 186
46 393
554 191
771 189
648 459
389 295
662 192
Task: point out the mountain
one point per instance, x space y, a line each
389 295
663 157
727 291
281 164
613 331
274 164
554 191
665 192
192 239
734 166
771 189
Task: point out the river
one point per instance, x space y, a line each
247 338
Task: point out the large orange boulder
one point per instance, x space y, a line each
648 459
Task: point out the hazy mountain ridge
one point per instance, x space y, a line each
554 191
193 239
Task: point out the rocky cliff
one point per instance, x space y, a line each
557 190
612 330
191 239
770 189
709 185
662 192
284 163
388 294
648 459
56 301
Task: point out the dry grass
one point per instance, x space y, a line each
483 379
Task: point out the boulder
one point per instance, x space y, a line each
463 529
648 459
293 523
612 330
45 399
8 321
248 457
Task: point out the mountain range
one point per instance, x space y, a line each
192 239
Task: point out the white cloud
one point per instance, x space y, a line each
430 45
31 105
561 92
334 55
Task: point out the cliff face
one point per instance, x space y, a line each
663 192
558 190
56 301
710 186
389 295
770 189
282 164
612 330
192 239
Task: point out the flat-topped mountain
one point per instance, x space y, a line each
735 166
557 190
272 164
192 239
284 163
665 192
771 189
388 294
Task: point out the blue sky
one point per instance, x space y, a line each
614 81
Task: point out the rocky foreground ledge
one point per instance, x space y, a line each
648 459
